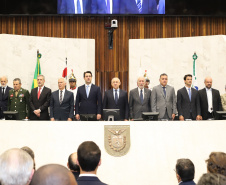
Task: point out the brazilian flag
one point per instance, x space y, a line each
37 71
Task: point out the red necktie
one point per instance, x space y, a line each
39 92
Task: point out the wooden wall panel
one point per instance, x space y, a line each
115 62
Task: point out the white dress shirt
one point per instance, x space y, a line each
142 91
209 99
114 92
76 9
40 90
63 92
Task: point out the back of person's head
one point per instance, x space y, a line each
53 174
16 167
72 159
185 169
217 163
212 179
30 152
88 156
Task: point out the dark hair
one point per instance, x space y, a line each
163 74
17 79
87 72
185 169
72 164
185 76
212 179
30 152
88 156
217 163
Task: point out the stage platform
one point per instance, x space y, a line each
155 146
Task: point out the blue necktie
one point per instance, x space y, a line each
141 97
189 93
87 91
139 6
79 10
108 6
164 90
116 97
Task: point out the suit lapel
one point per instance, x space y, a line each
43 91
161 91
186 93
145 95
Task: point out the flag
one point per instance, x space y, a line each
194 81
64 74
37 71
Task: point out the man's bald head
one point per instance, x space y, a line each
72 162
53 174
208 82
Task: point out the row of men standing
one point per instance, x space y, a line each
86 99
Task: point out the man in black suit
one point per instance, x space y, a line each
88 99
4 93
89 159
210 100
185 172
116 98
62 103
72 165
188 104
40 100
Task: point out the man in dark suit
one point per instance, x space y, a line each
105 6
210 100
72 165
116 98
185 172
89 159
62 103
18 100
188 104
73 6
40 100
139 100
138 7
88 99
4 93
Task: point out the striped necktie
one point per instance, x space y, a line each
139 6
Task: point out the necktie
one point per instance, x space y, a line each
87 91
141 96
39 92
3 91
108 6
79 10
189 93
164 90
116 97
139 6
61 99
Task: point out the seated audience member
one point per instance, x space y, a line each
53 174
212 179
16 167
185 172
72 159
223 100
217 163
30 152
89 159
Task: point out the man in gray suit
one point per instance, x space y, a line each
139 100
163 99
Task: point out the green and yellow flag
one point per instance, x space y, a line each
37 71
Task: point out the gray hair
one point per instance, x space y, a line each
16 167
4 77
65 81
42 76
114 78
140 78
17 79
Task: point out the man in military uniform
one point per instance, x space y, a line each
73 87
19 100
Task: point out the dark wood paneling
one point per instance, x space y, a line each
115 62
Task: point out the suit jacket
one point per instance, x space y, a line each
19 103
130 7
68 7
89 180
42 103
4 100
216 102
223 101
64 110
90 105
122 104
184 105
135 105
160 103
100 7
187 183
